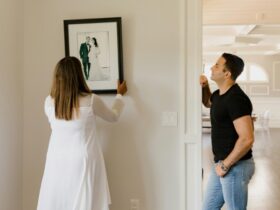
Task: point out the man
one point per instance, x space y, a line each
84 51
232 136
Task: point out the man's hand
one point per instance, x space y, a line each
203 80
206 92
122 88
219 171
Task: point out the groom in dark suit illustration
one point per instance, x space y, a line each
84 51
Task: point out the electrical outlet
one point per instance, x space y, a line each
134 204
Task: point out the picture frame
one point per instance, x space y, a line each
98 44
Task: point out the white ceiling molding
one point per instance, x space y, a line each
247 29
241 12
260 39
247 39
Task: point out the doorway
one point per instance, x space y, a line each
254 36
190 125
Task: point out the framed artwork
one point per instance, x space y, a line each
98 45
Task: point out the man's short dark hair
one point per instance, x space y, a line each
234 64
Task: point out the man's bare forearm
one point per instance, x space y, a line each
206 94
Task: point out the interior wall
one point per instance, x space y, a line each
11 104
266 62
141 155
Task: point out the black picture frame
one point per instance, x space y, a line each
102 59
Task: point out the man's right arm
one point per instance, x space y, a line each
206 93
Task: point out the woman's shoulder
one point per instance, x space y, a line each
86 100
49 101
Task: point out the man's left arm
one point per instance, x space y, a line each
244 128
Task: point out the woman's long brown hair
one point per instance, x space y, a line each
68 84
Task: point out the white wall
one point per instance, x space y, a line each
11 104
141 156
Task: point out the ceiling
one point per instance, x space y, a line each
252 28
241 39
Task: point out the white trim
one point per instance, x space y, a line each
182 106
265 100
274 77
190 104
252 93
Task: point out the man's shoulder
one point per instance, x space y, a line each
238 92
238 96
216 92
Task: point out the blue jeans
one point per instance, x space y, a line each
232 189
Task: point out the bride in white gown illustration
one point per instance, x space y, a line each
95 73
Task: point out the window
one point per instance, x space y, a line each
257 74
243 77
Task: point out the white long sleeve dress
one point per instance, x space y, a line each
75 175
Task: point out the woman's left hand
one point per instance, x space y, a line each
122 88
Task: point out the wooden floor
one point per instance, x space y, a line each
264 188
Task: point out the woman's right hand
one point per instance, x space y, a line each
122 88
203 80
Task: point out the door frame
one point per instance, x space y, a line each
190 105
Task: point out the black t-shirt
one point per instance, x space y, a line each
224 110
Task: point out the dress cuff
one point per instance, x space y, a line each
119 96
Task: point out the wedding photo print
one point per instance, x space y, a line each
98 45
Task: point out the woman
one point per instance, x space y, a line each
75 176
95 73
